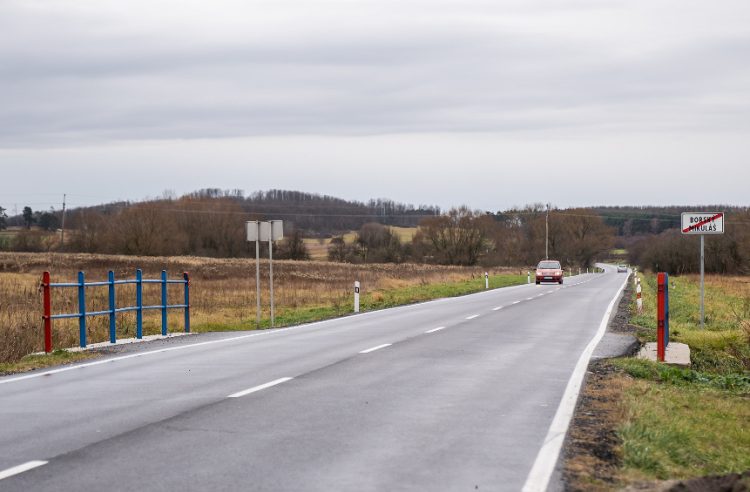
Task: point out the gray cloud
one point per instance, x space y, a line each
441 101
91 75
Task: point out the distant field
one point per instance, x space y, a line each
5 239
318 248
223 292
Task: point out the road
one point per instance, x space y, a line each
454 394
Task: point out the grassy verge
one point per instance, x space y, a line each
371 301
724 345
690 422
40 361
223 294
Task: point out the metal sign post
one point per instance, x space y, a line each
277 233
702 223
270 231
253 234
703 272
270 278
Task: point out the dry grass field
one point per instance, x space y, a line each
318 248
222 293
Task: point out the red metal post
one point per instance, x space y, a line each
47 313
660 316
186 278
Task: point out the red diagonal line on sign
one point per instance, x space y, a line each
703 222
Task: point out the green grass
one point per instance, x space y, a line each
39 361
734 383
722 346
690 422
677 431
371 301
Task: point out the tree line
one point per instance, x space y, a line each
673 252
466 237
210 222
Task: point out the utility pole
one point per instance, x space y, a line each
546 235
62 226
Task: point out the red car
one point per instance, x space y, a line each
549 271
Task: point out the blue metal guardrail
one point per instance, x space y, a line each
82 314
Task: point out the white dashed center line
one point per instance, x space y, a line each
516 302
436 329
373 349
21 468
258 388
472 316
497 308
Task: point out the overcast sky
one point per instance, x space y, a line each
485 103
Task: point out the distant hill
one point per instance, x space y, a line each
324 215
314 214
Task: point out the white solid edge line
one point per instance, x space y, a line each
258 388
472 316
373 349
21 468
436 329
544 465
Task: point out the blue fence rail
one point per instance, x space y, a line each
113 310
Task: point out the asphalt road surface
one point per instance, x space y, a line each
455 394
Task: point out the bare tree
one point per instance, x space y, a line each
457 238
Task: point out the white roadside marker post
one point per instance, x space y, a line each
638 300
528 277
356 297
486 280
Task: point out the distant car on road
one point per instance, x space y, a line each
549 271
622 268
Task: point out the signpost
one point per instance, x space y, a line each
264 231
253 234
702 223
275 232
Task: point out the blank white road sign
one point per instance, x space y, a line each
702 223
253 228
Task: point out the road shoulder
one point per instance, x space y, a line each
591 455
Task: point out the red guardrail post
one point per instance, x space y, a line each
186 278
660 316
47 313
